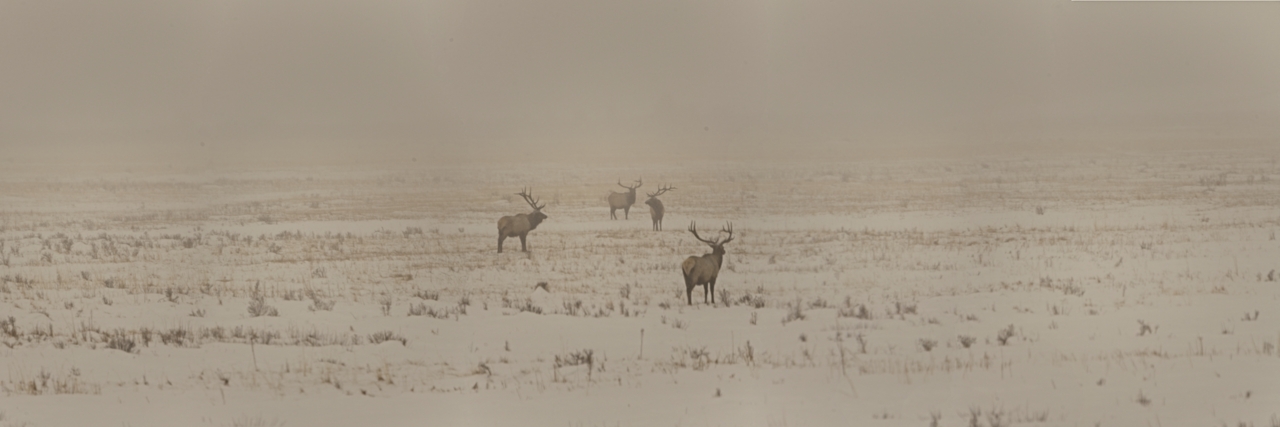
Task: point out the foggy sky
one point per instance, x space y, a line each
324 81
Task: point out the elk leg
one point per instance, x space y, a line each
712 285
626 212
613 213
523 248
688 289
501 237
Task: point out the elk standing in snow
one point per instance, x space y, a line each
703 270
655 206
623 200
521 224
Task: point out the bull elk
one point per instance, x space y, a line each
703 270
623 200
521 224
655 206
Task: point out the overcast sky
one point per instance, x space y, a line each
177 80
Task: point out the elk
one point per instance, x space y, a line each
521 224
703 270
623 200
655 206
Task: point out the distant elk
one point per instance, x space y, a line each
655 206
703 270
521 224
623 200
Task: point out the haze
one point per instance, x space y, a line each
315 82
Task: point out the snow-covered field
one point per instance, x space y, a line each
1113 290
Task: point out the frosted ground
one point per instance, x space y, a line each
1115 290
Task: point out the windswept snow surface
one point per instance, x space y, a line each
1113 290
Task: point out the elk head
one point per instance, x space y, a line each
631 190
654 195
536 216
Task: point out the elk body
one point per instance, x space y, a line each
623 200
521 224
655 206
703 270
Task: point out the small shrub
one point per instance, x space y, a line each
1004 335
755 301
529 307
146 336
384 336
581 357
996 418
258 421
431 295
199 312
699 358
293 295
1144 328
966 340
120 341
10 327
928 344
258 307
747 353
904 308
573 307
794 313
421 309
385 303
175 336
318 304
858 312
974 413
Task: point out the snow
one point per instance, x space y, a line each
850 288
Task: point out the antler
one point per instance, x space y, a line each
529 199
693 228
661 191
639 182
728 228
